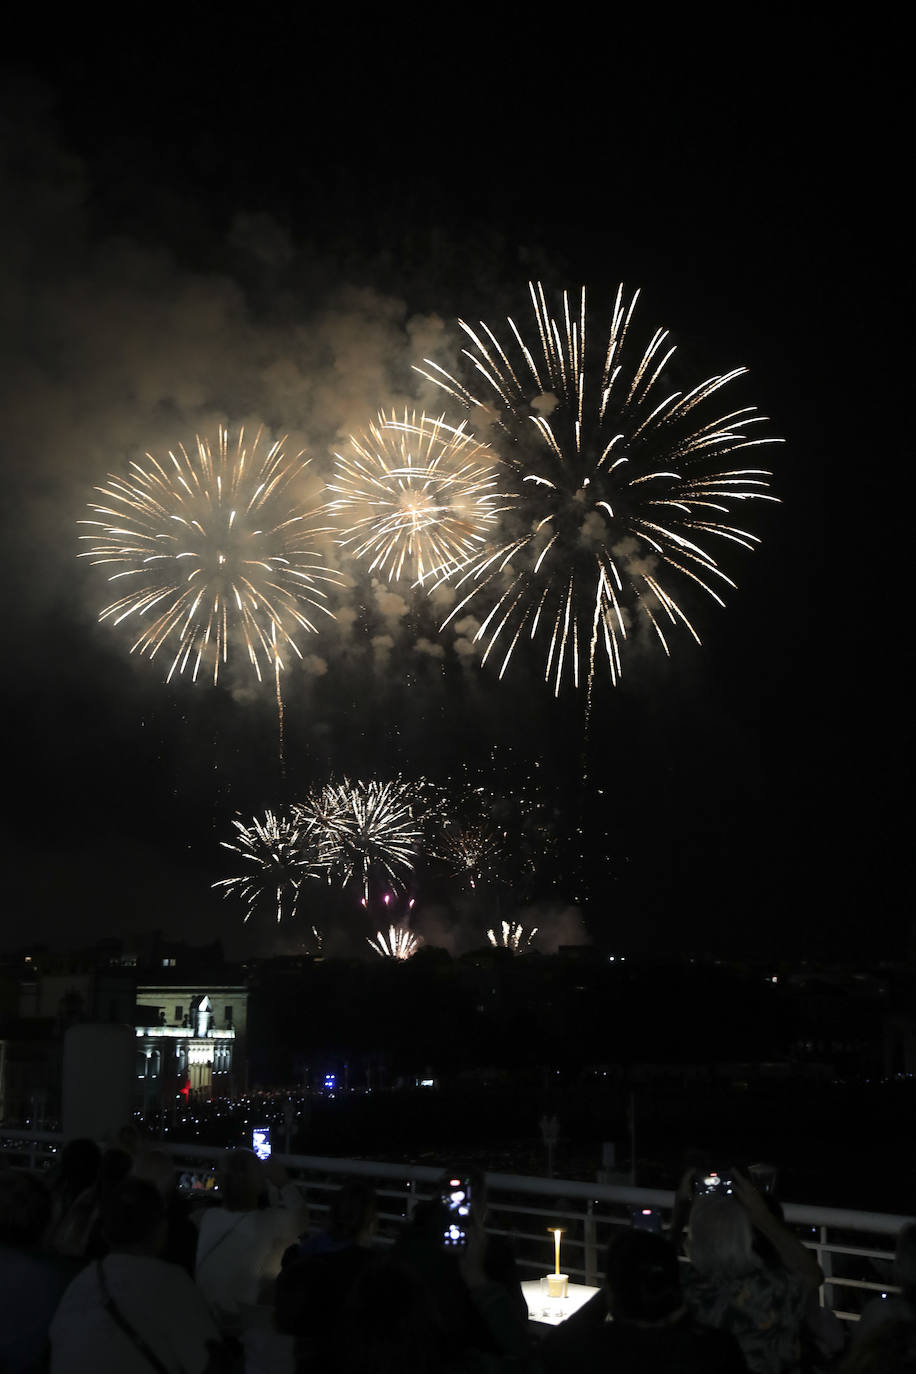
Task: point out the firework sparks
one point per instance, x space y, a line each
468 849
512 936
415 496
280 861
214 555
400 943
364 829
621 488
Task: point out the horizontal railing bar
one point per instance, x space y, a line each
34 1145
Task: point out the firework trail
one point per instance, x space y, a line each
617 488
416 496
280 860
364 829
400 943
214 556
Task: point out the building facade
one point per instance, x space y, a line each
191 1043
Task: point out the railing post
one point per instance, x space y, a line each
591 1245
825 1255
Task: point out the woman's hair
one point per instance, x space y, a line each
158 1168
721 1237
389 1324
353 1208
240 1180
132 1213
79 1166
642 1277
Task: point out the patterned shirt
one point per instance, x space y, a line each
763 1310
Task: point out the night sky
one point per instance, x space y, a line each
271 225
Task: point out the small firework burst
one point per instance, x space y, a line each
364 829
469 849
414 496
279 861
512 936
399 943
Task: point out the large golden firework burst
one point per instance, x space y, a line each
214 555
618 492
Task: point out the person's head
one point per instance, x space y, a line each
389 1324
240 1180
114 1166
79 1165
353 1212
134 1218
25 1209
642 1277
721 1237
129 1138
157 1168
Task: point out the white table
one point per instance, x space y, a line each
552 1311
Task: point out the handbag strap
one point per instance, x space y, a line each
120 1320
202 1259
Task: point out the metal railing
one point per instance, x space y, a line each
854 1248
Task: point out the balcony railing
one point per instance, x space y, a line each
854 1248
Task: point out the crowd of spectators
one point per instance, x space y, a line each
106 1265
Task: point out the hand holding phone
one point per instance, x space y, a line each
456 1200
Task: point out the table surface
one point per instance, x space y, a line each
552 1311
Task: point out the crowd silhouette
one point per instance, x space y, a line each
107 1265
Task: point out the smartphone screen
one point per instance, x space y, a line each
457 1200
713 1182
260 1141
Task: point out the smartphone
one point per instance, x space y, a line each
647 1219
457 1202
260 1141
713 1182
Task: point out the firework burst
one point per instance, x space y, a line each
622 488
364 829
468 849
512 936
279 860
415 496
399 943
214 556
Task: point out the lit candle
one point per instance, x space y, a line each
556 1236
